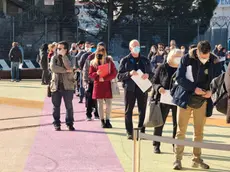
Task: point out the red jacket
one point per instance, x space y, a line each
102 90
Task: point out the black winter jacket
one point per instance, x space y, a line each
15 55
127 64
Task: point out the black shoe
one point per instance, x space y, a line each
103 125
108 124
129 136
57 127
71 128
157 150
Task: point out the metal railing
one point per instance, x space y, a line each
138 136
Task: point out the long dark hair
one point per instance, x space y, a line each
151 53
44 47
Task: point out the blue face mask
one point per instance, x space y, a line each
92 50
136 50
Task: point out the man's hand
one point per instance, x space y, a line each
207 95
133 73
199 91
69 70
161 90
98 72
101 80
145 76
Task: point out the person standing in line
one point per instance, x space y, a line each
192 95
62 85
102 91
153 52
88 85
128 68
15 57
172 44
227 84
162 81
159 58
43 53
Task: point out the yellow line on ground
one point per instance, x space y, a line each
22 103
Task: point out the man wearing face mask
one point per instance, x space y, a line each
79 57
62 85
192 96
128 67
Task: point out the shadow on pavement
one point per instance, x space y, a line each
32 116
33 126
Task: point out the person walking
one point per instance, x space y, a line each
128 68
62 85
102 91
192 95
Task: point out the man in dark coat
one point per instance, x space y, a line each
192 96
15 57
128 68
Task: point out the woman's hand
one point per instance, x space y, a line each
101 80
98 72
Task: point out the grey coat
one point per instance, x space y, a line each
57 70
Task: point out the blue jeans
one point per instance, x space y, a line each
68 100
15 70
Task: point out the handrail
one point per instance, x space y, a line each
138 136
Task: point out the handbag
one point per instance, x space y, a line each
114 86
153 116
196 101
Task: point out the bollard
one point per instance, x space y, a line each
136 150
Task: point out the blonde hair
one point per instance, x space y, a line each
131 42
14 44
51 46
173 53
95 61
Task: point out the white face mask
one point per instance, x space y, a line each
203 61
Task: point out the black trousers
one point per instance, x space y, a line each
130 99
45 76
68 100
90 102
165 108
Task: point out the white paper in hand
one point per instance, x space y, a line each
20 65
143 84
166 98
188 74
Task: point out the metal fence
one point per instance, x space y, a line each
138 136
33 28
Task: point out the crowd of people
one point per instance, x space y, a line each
187 74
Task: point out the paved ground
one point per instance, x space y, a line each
29 144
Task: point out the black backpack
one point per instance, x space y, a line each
219 94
